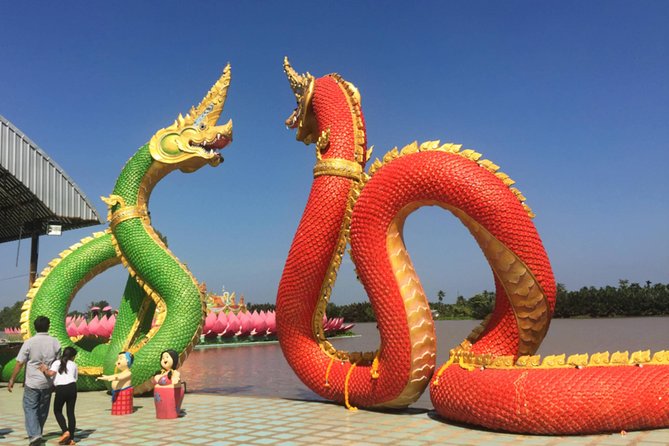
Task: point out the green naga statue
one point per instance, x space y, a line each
162 307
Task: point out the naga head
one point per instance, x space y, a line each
303 118
318 113
194 140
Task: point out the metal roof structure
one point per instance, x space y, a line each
35 191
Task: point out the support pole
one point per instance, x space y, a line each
34 250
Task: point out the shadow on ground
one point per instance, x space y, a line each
79 434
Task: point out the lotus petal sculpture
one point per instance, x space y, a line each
245 325
256 325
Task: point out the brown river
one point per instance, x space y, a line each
261 369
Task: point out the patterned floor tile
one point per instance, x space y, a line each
223 420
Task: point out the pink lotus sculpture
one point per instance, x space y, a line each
13 334
245 325
230 320
101 327
256 325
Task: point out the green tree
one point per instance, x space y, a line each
10 317
332 310
260 307
99 303
358 312
481 304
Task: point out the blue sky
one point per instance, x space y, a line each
570 98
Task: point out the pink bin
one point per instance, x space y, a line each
168 401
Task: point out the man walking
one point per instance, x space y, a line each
40 349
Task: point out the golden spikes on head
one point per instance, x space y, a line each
303 88
195 139
211 106
298 82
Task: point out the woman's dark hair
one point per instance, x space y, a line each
68 355
175 361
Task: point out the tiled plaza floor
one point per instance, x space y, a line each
219 420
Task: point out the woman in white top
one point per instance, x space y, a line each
65 373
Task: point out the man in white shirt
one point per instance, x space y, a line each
38 350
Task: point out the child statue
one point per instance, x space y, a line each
168 375
121 384
169 390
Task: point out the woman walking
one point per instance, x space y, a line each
65 373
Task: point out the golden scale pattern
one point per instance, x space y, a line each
455 149
419 316
522 288
602 359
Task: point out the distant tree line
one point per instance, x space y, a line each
628 299
476 307
260 307
625 300
356 312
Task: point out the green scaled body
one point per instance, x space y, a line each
151 264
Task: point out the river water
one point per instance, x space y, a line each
261 370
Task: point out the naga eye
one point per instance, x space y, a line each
203 126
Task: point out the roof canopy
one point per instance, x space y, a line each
35 191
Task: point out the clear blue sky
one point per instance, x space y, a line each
570 98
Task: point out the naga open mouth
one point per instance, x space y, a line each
219 142
215 140
292 121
